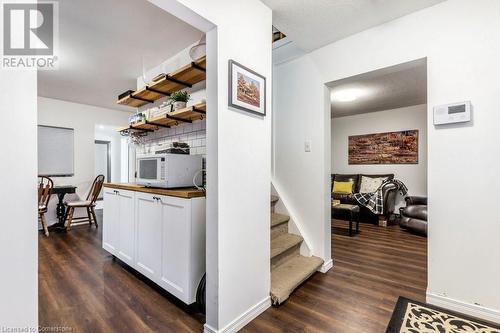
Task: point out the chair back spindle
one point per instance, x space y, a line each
95 189
45 186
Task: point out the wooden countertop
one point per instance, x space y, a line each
187 193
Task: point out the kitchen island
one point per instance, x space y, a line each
159 232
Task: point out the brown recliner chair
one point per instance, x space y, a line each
414 215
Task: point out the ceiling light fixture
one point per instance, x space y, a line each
347 95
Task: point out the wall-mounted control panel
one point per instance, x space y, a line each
452 113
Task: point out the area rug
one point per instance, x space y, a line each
415 317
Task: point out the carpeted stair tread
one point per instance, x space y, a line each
286 277
274 199
284 242
277 219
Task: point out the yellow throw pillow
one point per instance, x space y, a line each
342 187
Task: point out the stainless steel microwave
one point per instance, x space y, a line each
168 170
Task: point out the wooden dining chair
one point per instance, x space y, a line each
45 186
88 203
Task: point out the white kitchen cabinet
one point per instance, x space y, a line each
126 226
176 217
162 237
148 235
119 225
111 216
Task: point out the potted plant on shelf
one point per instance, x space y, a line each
179 99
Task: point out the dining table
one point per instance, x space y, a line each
61 192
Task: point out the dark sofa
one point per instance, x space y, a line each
365 215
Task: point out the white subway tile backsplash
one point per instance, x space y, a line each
197 126
193 134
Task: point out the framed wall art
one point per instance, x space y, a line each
384 148
247 89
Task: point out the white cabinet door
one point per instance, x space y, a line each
148 235
126 226
111 211
176 226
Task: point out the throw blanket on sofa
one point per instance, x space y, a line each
375 201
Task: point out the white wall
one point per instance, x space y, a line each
299 176
84 119
18 167
238 161
461 42
408 118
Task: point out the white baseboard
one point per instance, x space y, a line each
208 329
473 310
243 319
326 266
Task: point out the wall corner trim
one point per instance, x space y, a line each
474 310
246 317
327 265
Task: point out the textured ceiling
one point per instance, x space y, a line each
102 44
312 24
385 89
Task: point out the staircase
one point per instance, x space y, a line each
288 268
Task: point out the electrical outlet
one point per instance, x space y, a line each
307 146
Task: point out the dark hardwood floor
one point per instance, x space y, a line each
359 293
80 286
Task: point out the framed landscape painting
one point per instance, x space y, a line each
247 89
384 148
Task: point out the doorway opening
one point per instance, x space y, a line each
104 93
379 180
102 161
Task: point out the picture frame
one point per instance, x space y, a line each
399 147
247 89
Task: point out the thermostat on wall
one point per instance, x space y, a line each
452 113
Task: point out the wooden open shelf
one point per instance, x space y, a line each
186 115
184 77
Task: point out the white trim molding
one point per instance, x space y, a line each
243 319
474 310
326 266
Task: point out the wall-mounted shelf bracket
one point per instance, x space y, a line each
174 80
178 119
156 91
